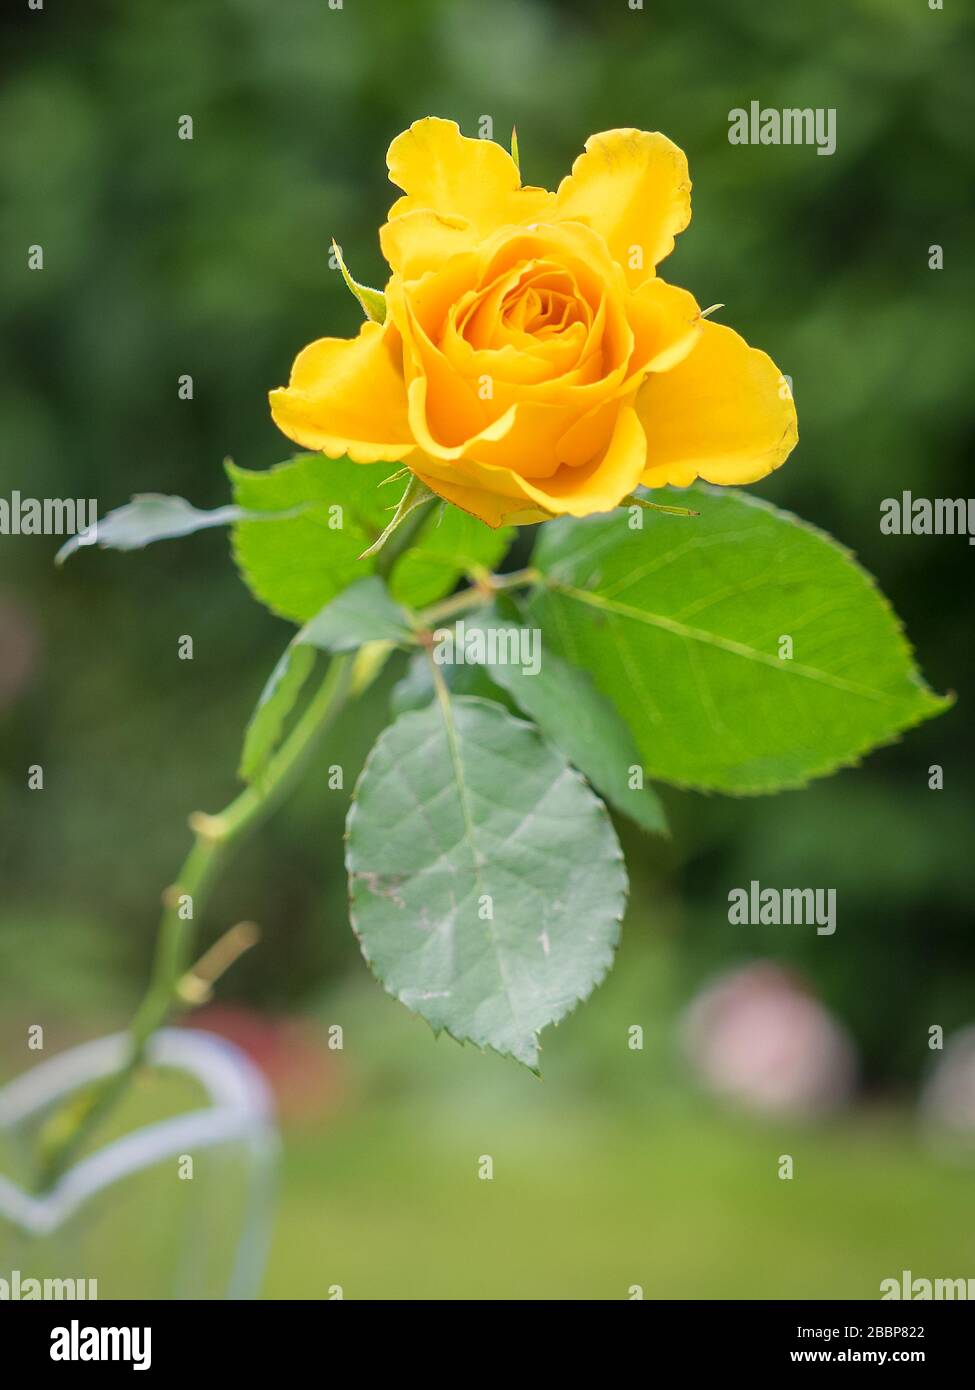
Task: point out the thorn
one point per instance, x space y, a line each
206 827
196 986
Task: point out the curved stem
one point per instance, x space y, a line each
216 838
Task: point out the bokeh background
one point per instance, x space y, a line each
164 257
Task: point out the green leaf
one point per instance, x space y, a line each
150 516
296 565
332 510
276 702
566 705
680 624
464 811
415 689
363 613
450 545
561 699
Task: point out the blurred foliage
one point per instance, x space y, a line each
164 257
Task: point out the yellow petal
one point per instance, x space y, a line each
497 495
633 188
666 323
422 240
724 414
601 485
519 422
348 396
458 191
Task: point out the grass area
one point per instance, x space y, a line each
688 1205
610 1173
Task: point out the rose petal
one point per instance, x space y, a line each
724 414
633 188
348 396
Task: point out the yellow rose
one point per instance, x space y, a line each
531 362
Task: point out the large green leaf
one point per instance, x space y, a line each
486 881
297 565
680 624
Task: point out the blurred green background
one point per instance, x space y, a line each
164 257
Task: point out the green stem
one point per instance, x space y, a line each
216 838
477 595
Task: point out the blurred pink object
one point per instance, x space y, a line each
304 1075
759 1037
948 1098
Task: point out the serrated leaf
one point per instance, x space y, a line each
680 625
297 565
335 510
461 809
150 516
567 706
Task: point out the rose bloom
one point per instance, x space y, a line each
532 363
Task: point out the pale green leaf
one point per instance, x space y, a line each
486 881
150 516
